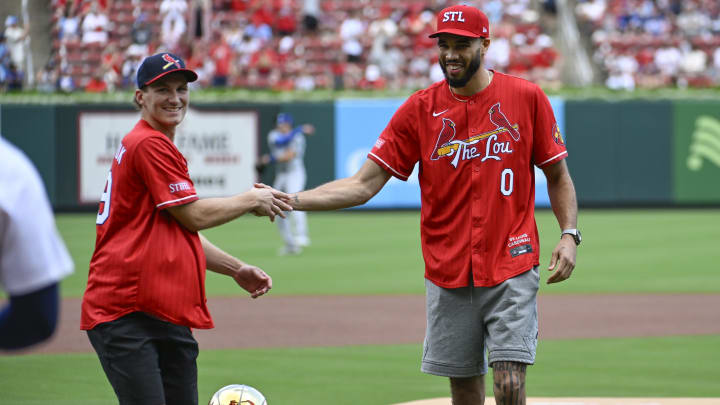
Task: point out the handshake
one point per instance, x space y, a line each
267 201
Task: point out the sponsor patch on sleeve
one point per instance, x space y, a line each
557 136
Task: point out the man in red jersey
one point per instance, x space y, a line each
146 285
477 136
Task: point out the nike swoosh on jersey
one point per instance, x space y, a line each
440 113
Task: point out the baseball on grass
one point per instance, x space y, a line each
237 394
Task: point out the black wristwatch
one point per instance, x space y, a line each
575 234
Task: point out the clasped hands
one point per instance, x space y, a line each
269 201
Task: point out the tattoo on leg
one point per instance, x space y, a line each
509 382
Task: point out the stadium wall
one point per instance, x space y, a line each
622 153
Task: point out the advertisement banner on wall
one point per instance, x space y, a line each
358 123
697 152
220 148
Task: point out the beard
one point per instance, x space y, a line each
471 70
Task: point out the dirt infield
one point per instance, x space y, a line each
301 321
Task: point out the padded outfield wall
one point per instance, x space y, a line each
621 153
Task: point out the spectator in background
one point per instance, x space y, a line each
286 23
667 59
305 81
68 24
246 48
693 61
389 60
171 35
96 84
351 30
111 65
47 78
591 11
498 55
202 64
141 33
260 26
15 39
66 82
14 78
233 33
95 26
222 56
130 66
4 60
310 13
33 257
264 60
173 14
494 11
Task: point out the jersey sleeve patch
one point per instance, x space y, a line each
164 172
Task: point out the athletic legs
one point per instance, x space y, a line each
508 386
509 382
468 390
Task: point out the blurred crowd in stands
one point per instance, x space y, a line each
654 43
97 45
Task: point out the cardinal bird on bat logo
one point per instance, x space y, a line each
447 134
500 120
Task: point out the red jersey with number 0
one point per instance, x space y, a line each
476 171
144 260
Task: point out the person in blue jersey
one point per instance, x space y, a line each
287 151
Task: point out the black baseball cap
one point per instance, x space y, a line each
159 65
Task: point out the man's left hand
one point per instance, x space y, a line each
253 280
562 260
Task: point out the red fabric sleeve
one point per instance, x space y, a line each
165 173
398 147
548 143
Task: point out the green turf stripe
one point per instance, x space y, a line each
623 251
680 366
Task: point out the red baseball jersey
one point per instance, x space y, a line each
144 260
476 175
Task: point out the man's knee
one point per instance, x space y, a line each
509 382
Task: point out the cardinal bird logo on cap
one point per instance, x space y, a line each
500 120
447 134
170 61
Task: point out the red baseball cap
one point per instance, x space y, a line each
466 21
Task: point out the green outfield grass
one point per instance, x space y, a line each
210 95
377 375
649 251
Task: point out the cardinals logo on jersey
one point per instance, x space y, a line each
447 134
557 136
500 120
447 145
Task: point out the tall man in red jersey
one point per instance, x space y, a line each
477 136
146 286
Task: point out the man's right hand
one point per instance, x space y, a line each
268 201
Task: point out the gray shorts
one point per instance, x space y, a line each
471 327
